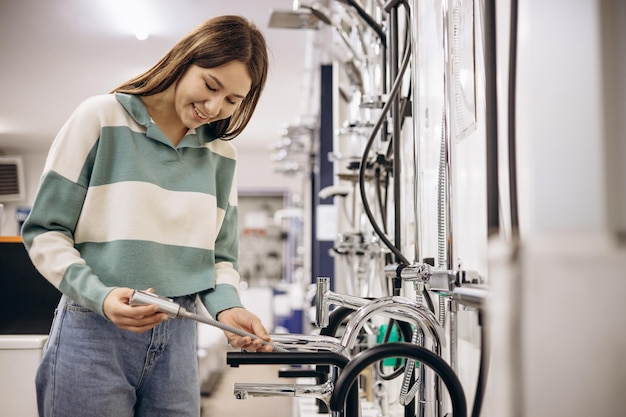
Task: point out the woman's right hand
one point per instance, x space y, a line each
136 318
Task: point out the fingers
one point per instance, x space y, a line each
134 318
249 322
259 330
139 319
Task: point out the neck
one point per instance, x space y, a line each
161 109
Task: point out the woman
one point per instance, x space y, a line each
139 192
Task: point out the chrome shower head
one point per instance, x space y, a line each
293 19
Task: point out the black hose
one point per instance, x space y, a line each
364 359
512 119
483 370
368 146
335 319
369 20
399 370
379 197
491 118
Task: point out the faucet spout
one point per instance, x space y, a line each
320 391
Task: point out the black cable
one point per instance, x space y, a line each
394 91
396 166
335 320
358 363
404 103
369 20
386 198
512 118
429 300
379 197
483 368
397 371
491 118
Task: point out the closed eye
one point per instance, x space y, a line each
209 87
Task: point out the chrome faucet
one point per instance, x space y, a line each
324 297
399 308
405 309
320 391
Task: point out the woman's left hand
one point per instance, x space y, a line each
245 320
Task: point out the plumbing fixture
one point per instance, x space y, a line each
309 343
176 311
320 391
335 360
404 309
400 349
293 19
438 280
399 308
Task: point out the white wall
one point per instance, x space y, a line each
567 358
255 170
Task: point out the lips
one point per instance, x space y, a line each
199 115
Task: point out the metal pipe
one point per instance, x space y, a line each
417 187
448 138
321 302
448 163
320 391
399 308
308 343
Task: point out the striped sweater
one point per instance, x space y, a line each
119 206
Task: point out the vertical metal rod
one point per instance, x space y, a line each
417 188
448 161
447 135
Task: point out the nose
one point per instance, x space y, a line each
213 108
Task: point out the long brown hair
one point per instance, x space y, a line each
215 42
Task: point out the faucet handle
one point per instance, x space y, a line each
322 314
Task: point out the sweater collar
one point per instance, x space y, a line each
137 110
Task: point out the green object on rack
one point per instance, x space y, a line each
393 337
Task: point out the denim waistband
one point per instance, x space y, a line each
186 301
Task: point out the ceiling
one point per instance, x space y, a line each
54 54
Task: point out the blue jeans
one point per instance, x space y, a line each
90 367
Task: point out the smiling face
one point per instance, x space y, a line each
204 95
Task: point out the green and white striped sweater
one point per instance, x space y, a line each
119 206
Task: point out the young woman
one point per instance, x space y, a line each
139 192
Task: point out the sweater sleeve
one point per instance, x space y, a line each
225 295
48 232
